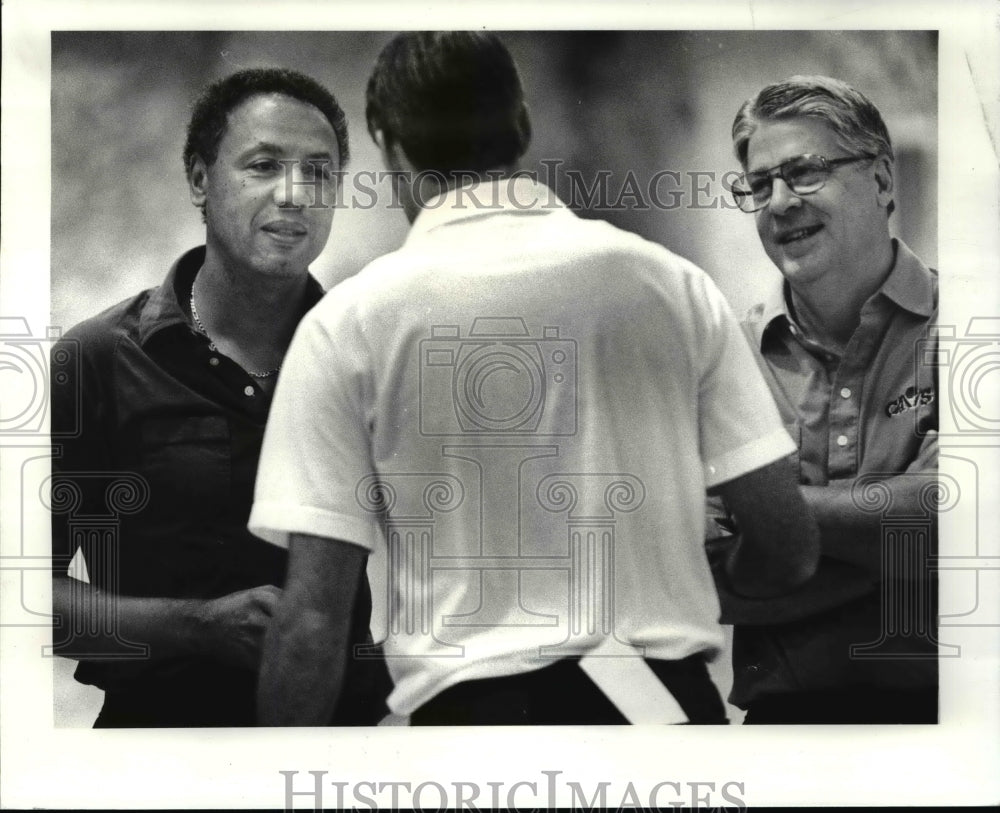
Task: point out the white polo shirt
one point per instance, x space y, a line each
519 411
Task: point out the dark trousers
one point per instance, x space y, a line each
217 696
563 694
846 707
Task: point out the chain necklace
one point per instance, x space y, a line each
211 344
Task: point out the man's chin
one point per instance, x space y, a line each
284 264
797 264
798 270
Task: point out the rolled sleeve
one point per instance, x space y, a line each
740 429
747 458
274 522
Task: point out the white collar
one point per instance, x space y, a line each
518 193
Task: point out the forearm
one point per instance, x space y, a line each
778 548
851 527
307 646
760 571
90 621
302 671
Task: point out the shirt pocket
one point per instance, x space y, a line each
186 461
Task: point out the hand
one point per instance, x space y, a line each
234 625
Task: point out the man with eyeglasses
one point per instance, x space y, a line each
837 343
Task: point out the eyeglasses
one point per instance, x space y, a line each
803 174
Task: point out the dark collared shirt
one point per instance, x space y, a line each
164 464
874 412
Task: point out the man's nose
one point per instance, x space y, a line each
782 197
296 188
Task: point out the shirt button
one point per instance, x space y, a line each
213 361
248 390
842 440
845 392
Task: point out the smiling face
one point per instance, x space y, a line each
268 209
829 237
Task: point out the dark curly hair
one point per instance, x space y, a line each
211 111
451 99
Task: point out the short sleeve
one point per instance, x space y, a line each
316 449
740 429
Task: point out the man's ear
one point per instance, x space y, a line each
884 180
524 127
197 177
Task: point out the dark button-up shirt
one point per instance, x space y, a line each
871 413
156 486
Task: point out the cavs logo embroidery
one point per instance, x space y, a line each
910 399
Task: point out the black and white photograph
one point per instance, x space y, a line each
460 410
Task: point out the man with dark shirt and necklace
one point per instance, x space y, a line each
175 387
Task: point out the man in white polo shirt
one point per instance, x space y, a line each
522 411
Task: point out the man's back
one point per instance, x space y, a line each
531 405
522 412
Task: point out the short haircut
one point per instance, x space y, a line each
452 100
210 114
857 123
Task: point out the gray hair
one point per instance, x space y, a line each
853 118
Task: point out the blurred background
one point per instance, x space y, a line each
625 104
615 109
